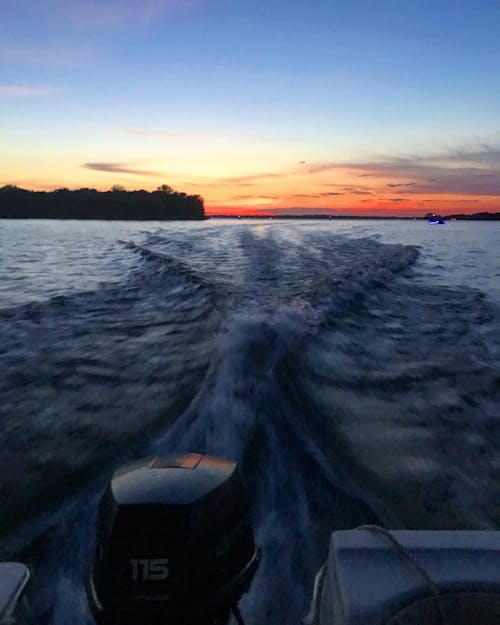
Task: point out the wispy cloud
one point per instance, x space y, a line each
26 91
486 154
451 201
172 134
119 168
256 197
461 171
251 179
316 195
47 55
353 190
114 14
357 191
75 33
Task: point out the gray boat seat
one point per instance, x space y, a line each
367 580
13 578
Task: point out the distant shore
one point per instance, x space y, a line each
457 217
116 204
163 204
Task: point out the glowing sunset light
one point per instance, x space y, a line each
279 110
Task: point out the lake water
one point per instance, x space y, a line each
350 367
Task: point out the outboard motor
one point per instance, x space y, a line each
174 544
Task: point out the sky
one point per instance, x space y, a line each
374 107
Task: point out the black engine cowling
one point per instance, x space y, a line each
174 543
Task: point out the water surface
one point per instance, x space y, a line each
350 367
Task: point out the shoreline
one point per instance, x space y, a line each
474 217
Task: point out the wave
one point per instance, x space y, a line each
88 378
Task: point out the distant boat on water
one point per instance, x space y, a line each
436 219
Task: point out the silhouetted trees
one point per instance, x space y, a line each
164 203
484 216
165 188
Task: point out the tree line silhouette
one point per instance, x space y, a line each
117 203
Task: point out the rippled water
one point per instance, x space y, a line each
350 367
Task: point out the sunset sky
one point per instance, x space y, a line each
292 106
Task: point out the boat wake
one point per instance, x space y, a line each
318 362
